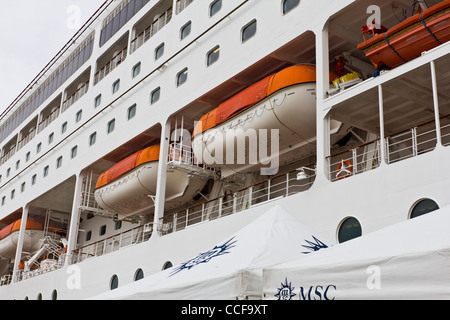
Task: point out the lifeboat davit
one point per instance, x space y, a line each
9 236
408 39
130 185
285 101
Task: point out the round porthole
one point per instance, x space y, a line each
349 229
114 284
423 207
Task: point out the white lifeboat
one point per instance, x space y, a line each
285 101
9 237
130 186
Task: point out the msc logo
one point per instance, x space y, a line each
319 292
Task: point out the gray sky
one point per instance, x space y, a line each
31 33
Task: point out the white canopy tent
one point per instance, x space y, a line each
410 260
232 269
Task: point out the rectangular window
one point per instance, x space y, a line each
17 164
185 30
78 116
22 187
97 101
88 235
159 51
92 139
136 70
102 230
154 97
116 86
64 127
131 112
111 126
215 7
3 201
27 156
59 162
248 31
13 193
33 179
73 152
213 56
182 77
50 137
46 170
38 147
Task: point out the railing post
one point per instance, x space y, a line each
220 207
234 202
287 184
414 141
175 218
355 161
250 197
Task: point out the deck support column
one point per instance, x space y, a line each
323 119
75 217
382 134
436 104
23 226
162 173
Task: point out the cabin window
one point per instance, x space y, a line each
289 5
13 193
248 31
97 101
111 126
102 230
46 170
136 70
159 51
92 139
78 116
38 147
349 229
3 201
88 235
64 127
59 162
182 77
185 30
73 152
50 137
114 283
55 295
8 172
131 112
22 187
154 97
33 179
27 156
17 164
118 225
213 56
167 265
215 7
139 274
422 207
116 86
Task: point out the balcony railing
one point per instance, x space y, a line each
31 134
76 96
111 65
157 25
49 119
277 187
182 4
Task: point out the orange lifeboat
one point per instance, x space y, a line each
9 237
408 39
129 186
285 101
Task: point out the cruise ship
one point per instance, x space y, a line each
165 126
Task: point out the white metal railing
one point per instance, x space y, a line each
76 96
182 4
112 244
7 155
31 134
402 145
111 65
354 161
275 188
151 30
49 119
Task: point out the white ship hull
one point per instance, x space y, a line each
32 242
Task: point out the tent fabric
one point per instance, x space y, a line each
233 268
409 260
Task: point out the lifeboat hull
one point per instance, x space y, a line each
31 244
133 192
408 40
291 111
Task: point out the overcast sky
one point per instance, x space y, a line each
31 33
